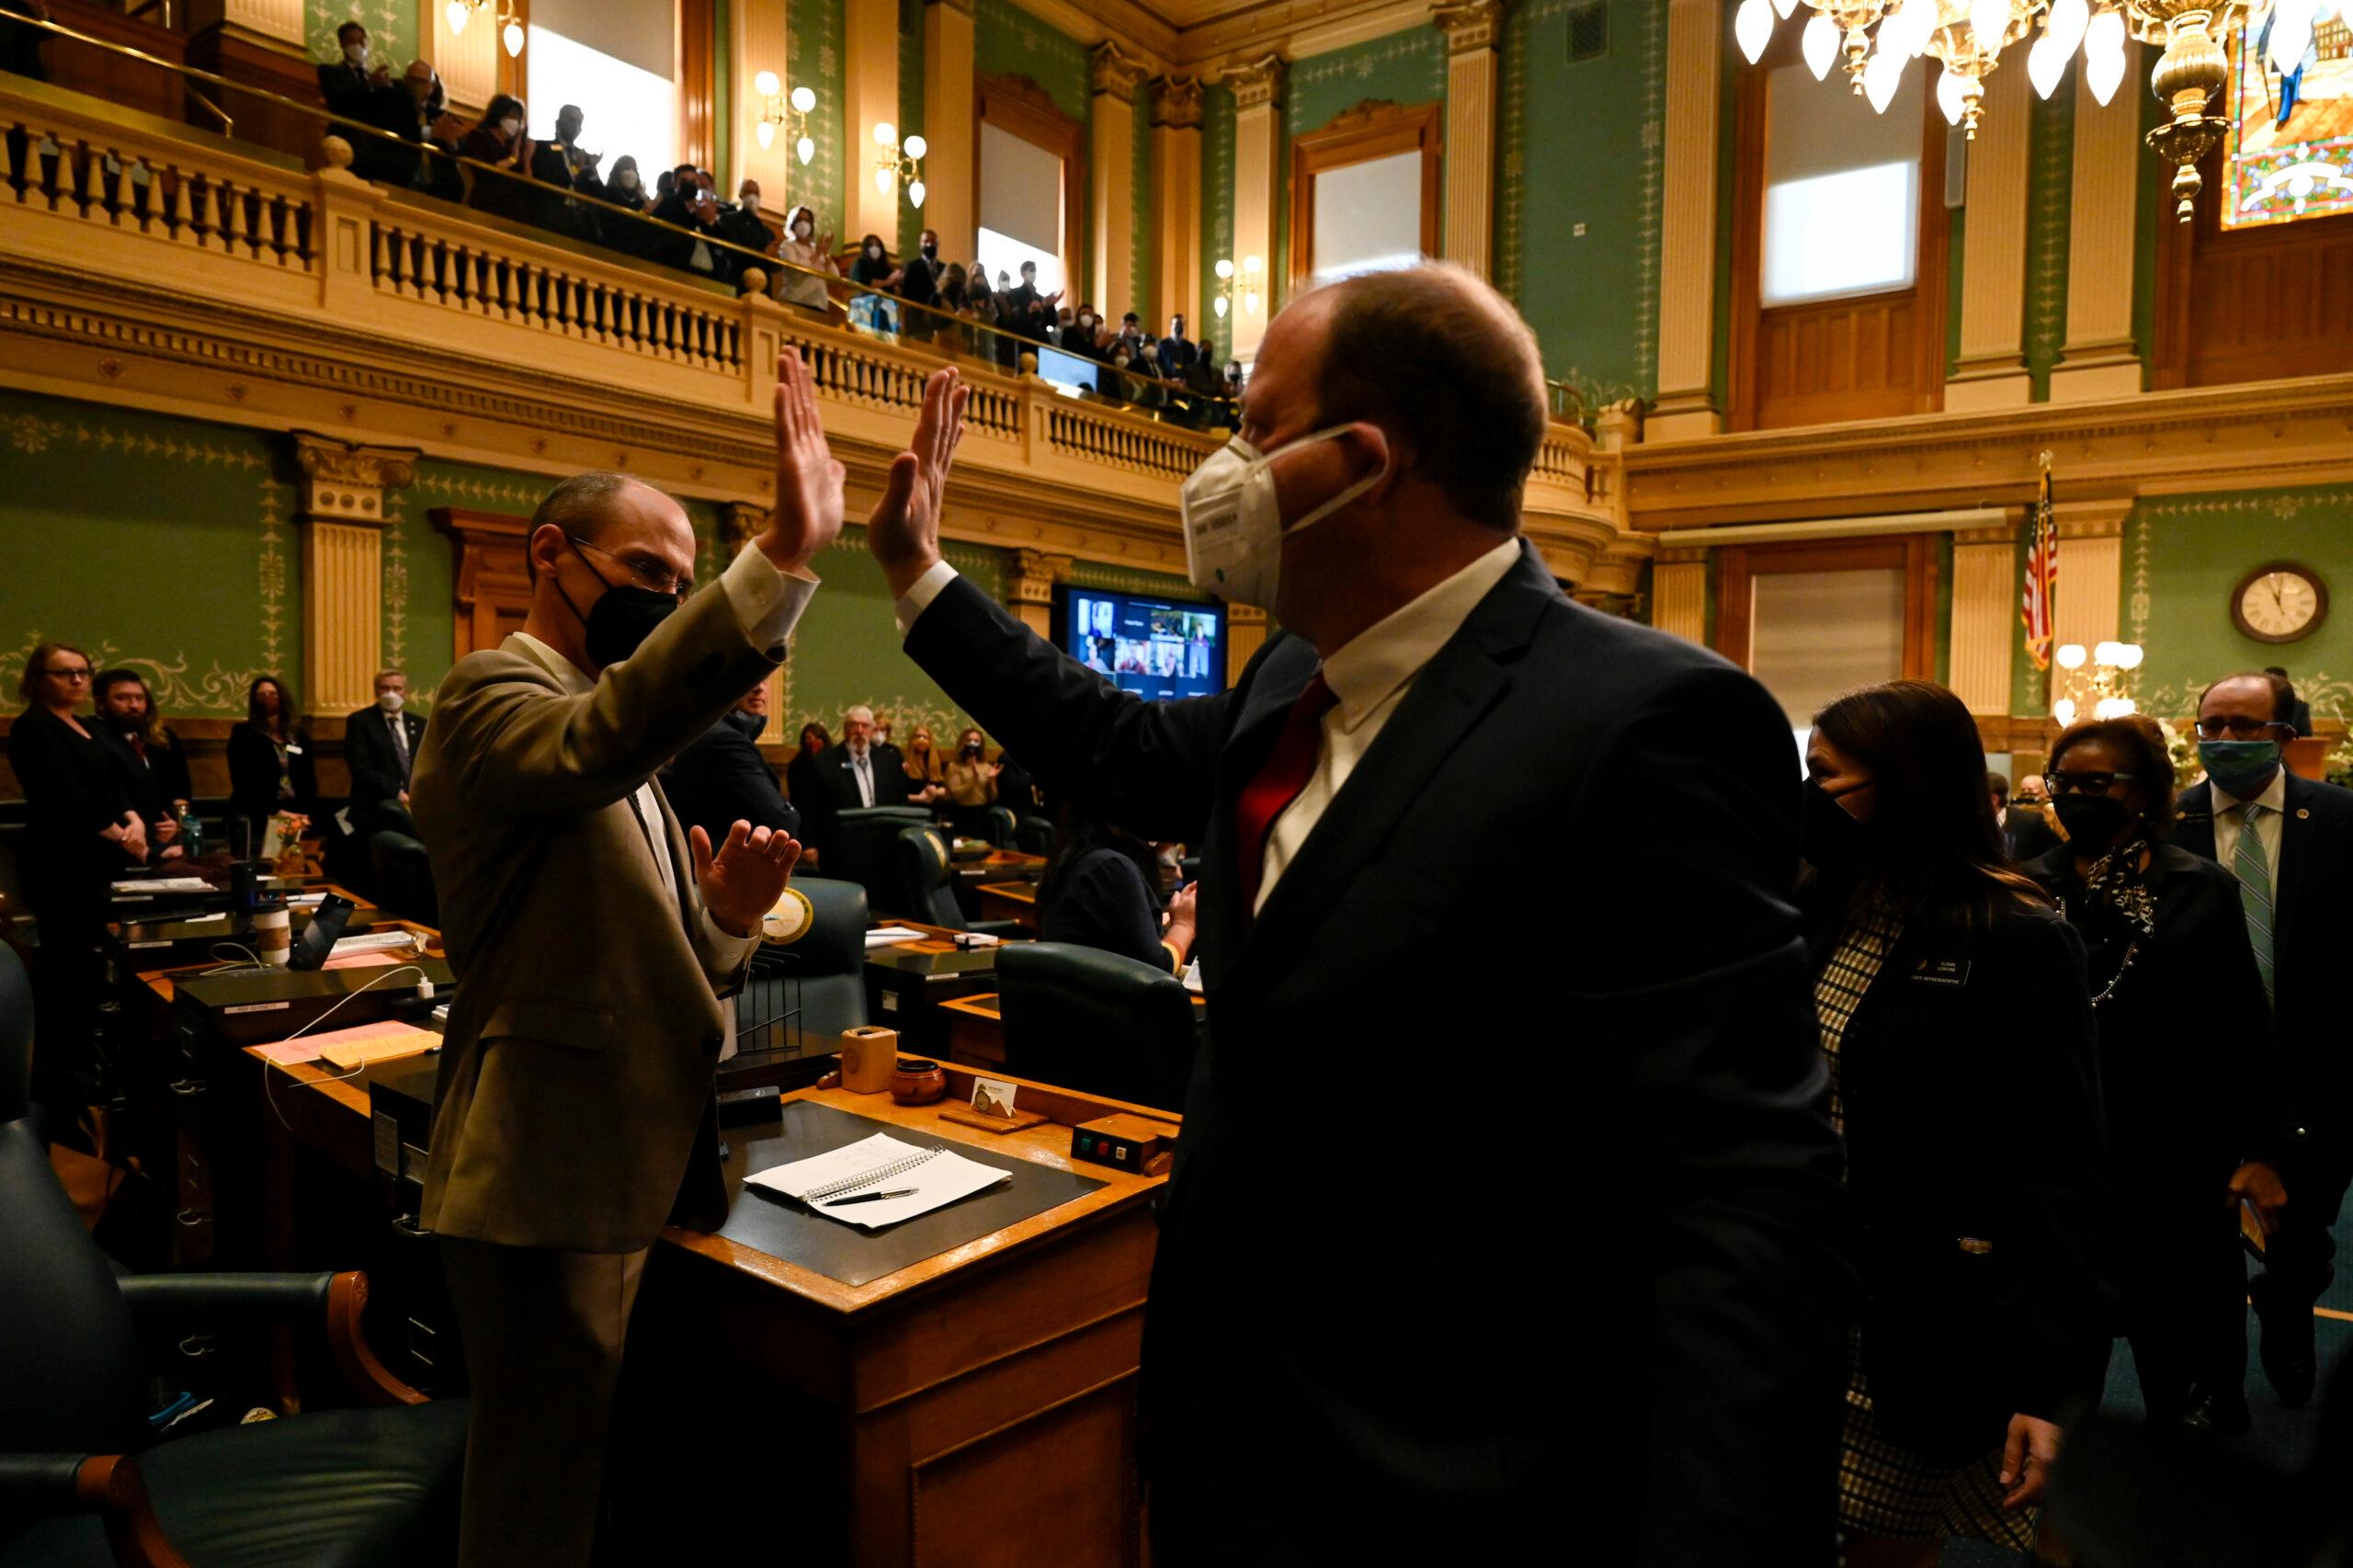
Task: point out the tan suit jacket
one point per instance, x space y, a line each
576 1073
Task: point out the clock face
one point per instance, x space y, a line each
2280 603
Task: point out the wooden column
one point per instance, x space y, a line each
1029 588
1686 405
949 126
1984 626
869 96
1176 202
1991 372
1474 31
342 520
2090 603
1112 168
1679 594
1246 633
2100 359
1258 180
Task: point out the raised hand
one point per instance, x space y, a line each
904 531
808 513
742 880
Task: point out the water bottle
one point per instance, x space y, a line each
191 836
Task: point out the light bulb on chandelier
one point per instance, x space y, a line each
455 12
1752 26
2104 54
2045 64
1820 43
1989 22
2065 26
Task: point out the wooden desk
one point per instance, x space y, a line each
1010 900
977 1029
976 1407
907 981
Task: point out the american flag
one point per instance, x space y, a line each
2042 576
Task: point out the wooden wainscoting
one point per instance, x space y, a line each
2252 304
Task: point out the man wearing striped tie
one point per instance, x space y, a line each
2290 842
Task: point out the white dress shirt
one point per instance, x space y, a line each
861 767
1368 676
2274 800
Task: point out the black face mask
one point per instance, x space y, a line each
1829 835
620 621
2090 821
931 253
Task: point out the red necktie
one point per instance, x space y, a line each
1287 770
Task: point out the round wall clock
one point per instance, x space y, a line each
2279 603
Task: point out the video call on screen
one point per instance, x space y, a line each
1150 647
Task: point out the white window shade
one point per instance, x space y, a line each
1813 636
1842 188
639 35
626 110
1368 217
1021 191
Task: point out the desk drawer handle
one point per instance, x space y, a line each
188 1087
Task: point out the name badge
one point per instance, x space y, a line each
1942 972
293 750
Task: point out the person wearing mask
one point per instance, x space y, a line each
80 833
569 174
152 762
2026 826
721 778
812 258
980 308
742 225
970 783
1203 379
1974 1145
1104 888
380 747
1176 352
800 774
353 84
625 189
924 762
857 773
1146 388
1429 666
872 270
503 189
1030 311
2288 843
271 768
694 210
2190 1074
1084 336
919 286
1116 385
414 109
579 914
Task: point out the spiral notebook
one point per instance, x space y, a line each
879 1163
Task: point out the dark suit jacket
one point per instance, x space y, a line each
1970 1083
1369 1363
2312 935
720 780
253 775
348 93
831 787
376 772
73 794
2028 834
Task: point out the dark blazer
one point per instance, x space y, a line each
349 93
149 784
375 763
2312 935
829 784
1366 1363
1969 1080
253 775
720 780
73 793
1100 901
2028 834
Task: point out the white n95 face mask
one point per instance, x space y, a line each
1233 528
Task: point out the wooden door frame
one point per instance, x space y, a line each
1931 257
491 571
1739 565
1374 129
1019 106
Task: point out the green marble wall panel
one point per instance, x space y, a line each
390 24
1217 209
813 51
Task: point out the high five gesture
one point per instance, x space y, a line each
808 515
903 532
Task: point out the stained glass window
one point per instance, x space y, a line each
2290 153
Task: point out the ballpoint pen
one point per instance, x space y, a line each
869 1197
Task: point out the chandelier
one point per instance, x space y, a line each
1878 39
510 29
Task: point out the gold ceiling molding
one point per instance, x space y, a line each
1112 69
2261 435
1176 102
1202 36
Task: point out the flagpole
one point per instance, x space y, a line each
2048 520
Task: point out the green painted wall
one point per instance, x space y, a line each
191 572
1009 42
846 649
2050 183
1407 67
1217 209
1583 144
910 111
391 33
812 31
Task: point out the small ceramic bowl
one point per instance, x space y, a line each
916 1082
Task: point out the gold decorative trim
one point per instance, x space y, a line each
1258 81
1470 25
1111 69
1176 102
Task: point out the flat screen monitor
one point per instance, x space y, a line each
1158 648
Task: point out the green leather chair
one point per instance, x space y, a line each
1097 1022
830 955
1002 823
403 878
863 849
1034 835
81 1481
930 880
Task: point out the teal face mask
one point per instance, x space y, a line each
2242 767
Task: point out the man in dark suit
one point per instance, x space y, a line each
2290 842
379 748
350 85
2300 712
858 771
1176 351
721 778
2025 825
1359 1356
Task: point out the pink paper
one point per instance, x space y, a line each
307 1049
362 960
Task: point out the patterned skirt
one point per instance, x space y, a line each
1886 1490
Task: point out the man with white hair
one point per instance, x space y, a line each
854 772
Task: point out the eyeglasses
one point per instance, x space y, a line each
2237 728
647 577
80 672
2085 783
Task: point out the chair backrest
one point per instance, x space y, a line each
1034 835
929 878
69 1355
1002 823
863 848
1100 1023
832 955
15 1035
404 878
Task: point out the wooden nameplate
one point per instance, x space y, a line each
965 1116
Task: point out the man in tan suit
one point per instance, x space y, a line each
594 942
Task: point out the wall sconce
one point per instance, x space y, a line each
900 160
791 112
1245 288
458 12
2105 688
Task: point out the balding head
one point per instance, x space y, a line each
596 532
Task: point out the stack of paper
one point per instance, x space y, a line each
885 935
880 1164
164 884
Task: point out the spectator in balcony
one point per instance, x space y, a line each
663 184
1131 332
692 207
353 83
625 189
560 164
416 110
1084 336
1202 378
1031 312
1148 388
1176 350
742 225
270 765
1117 384
812 258
501 189
919 286
873 269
